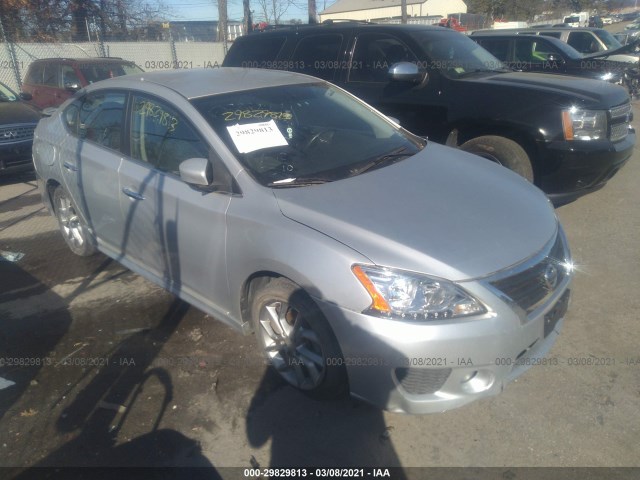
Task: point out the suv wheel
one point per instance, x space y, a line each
297 340
73 228
503 151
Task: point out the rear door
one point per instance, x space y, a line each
90 156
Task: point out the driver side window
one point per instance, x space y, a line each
374 55
161 136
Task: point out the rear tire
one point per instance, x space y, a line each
297 340
74 229
503 151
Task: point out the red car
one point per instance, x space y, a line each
51 81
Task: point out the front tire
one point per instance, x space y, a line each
501 150
74 229
297 340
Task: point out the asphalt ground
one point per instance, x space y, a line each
110 370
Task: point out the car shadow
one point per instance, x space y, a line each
116 400
304 432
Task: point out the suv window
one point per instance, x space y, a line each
255 54
34 76
100 119
584 42
374 54
498 47
161 136
94 72
317 55
529 50
69 77
551 34
50 75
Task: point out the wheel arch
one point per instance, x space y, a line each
50 188
464 132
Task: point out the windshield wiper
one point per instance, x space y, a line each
390 157
486 70
298 182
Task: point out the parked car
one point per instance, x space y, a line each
595 21
585 40
537 53
18 120
440 84
607 21
51 81
578 19
281 204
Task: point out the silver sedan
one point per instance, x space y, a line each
365 259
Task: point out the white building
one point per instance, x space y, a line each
379 9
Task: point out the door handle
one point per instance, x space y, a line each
70 166
130 193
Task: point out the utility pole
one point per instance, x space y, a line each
313 15
247 20
403 11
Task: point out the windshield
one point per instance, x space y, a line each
101 71
608 39
6 94
572 20
454 54
301 134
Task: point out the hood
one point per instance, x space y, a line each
17 112
595 92
628 49
442 212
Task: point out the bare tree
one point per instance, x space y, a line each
272 11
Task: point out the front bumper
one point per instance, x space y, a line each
428 367
15 158
569 170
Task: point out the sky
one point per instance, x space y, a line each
208 10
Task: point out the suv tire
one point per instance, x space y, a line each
503 151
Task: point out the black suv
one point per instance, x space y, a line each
568 135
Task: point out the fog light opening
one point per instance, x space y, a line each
477 381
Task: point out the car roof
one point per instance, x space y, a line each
347 24
81 60
201 82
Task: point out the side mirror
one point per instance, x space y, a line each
26 96
71 87
196 171
406 72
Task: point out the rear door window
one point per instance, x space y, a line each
499 47
584 42
317 55
101 119
255 54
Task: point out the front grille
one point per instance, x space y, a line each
532 286
619 118
16 133
422 381
618 131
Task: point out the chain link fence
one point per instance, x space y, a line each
162 54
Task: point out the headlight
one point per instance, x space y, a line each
579 124
410 296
